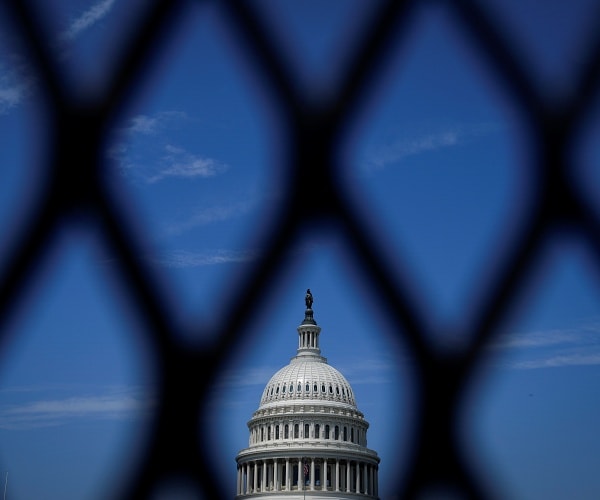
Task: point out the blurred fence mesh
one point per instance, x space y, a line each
76 188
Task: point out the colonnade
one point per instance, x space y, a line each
298 429
309 338
311 474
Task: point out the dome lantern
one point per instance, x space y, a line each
308 331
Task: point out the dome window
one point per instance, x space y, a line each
277 390
337 390
283 389
296 431
286 432
271 391
337 433
307 388
291 387
326 432
315 388
299 387
317 431
330 389
322 387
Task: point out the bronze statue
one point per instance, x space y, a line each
308 299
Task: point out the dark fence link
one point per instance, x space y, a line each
76 190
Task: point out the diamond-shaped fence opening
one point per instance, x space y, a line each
314 127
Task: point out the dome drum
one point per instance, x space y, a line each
299 430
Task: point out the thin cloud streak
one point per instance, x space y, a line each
559 361
576 346
248 377
16 83
53 412
9 98
538 339
369 371
399 150
208 216
174 162
88 19
149 136
394 153
364 372
184 165
143 124
185 259
152 124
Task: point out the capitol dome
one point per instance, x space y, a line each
311 379
308 438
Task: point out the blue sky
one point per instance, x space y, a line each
436 162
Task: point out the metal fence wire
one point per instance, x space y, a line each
76 190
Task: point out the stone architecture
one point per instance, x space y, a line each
308 438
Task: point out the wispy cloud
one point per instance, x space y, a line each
553 348
15 83
257 376
9 97
209 215
52 412
370 371
560 360
145 151
152 124
233 380
181 259
393 153
87 19
364 371
144 124
185 259
177 162
539 339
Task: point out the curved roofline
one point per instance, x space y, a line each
300 451
309 402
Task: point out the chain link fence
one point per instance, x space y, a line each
75 187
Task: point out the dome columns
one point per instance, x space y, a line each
342 475
308 339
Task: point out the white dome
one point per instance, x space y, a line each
308 378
